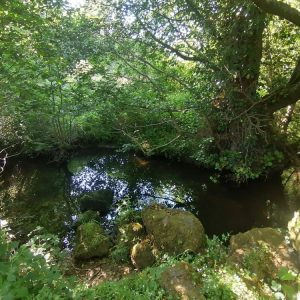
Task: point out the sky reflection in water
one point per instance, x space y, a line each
34 193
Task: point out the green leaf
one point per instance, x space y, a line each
21 292
286 275
289 291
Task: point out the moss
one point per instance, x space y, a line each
174 231
252 237
120 253
87 217
91 241
99 201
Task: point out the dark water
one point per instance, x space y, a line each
34 193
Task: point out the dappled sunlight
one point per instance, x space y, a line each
238 283
125 178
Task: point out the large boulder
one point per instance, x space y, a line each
263 251
180 280
174 231
91 241
142 254
99 201
294 231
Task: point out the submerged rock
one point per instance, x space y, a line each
294 231
180 281
262 251
173 231
78 162
100 201
142 255
91 241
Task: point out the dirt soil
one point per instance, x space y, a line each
95 271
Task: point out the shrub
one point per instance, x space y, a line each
27 272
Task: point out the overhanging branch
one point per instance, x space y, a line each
279 9
196 58
280 99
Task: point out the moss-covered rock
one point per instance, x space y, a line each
263 251
142 254
99 201
173 231
182 281
91 241
294 231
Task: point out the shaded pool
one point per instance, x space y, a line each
34 193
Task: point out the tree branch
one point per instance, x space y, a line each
197 58
286 96
200 59
279 9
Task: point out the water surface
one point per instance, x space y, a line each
35 193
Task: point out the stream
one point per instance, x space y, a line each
34 193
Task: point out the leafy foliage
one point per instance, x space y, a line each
29 271
179 78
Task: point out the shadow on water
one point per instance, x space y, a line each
33 193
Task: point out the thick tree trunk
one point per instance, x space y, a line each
243 51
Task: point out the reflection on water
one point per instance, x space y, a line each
34 193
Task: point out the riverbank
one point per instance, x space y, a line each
257 264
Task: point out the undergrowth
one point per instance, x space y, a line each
31 271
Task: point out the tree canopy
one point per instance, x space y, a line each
213 81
